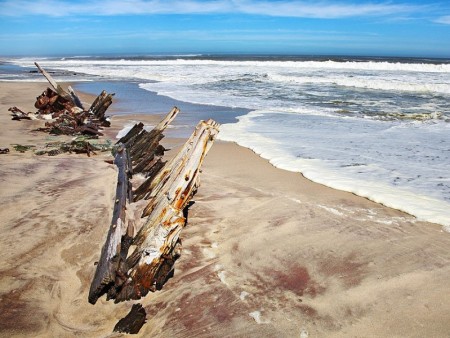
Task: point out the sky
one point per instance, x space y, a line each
406 28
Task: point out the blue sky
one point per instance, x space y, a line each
330 27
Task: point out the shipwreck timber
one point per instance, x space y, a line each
167 191
143 241
66 112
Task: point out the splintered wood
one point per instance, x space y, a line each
66 111
132 265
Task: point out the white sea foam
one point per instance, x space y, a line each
336 164
320 65
403 83
379 129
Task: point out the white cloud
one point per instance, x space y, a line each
444 20
321 9
282 8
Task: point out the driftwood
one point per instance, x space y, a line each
169 189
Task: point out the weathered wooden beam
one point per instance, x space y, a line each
133 321
137 128
144 190
55 85
75 97
144 147
161 126
170 171
114 251
100 105
157 244
108 264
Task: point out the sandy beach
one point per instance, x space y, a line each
266 253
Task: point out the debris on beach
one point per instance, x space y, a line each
150 210
65 112
22 148
18 114
167 191
133 321
140 251
77 146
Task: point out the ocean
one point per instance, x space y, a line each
377 127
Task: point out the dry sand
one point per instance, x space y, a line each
266 253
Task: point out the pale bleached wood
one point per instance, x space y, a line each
55 85
115 249
157 242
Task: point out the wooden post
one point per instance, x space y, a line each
108 263
56 86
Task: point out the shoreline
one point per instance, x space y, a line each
266 252
425 205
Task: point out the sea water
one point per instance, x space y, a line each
377 127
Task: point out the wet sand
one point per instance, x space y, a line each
265 253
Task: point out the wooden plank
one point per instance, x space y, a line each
108 264
133 321
75 97
157 242
161 126
132 133
54 84
114 251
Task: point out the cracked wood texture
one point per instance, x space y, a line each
115 249
157 243
107 266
